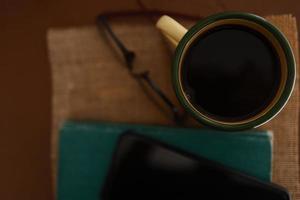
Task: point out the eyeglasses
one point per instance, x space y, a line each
178 116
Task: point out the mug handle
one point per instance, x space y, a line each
171 29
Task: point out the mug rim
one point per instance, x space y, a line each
283 98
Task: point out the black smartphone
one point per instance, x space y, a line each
143 169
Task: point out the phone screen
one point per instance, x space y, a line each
144 169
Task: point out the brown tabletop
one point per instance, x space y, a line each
25 82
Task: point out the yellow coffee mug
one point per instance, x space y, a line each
230 106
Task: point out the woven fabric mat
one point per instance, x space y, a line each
90 82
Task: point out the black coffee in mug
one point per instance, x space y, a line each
231 72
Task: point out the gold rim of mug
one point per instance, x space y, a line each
275 43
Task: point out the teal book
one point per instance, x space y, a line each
86 148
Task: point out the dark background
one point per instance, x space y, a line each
25 77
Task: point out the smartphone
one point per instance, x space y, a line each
146 169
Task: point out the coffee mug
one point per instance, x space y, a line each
232 70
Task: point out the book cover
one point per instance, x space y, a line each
86 148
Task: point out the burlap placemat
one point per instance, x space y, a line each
90 82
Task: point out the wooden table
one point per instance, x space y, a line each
25 78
